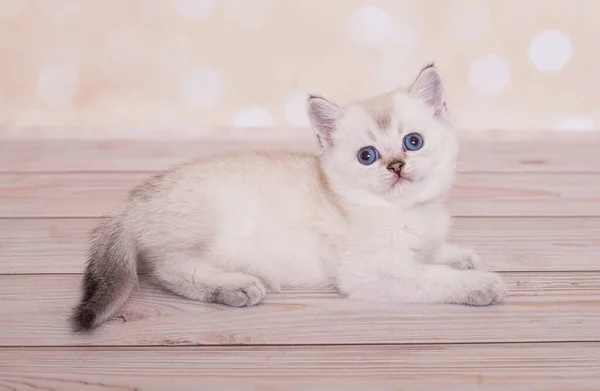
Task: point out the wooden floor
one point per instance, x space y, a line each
528 203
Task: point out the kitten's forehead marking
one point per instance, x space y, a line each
380 108
371 136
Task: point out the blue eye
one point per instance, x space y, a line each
413 142
368 155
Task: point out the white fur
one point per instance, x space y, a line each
234 224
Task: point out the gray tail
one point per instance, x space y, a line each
109 278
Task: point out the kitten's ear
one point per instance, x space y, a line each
428 88
323 116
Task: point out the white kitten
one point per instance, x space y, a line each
365 216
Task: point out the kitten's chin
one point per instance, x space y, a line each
399 181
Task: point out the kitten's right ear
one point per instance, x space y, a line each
323 116
428 87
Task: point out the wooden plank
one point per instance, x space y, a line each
509 367
541 307
117 156
40 246
93 195
30 246
541 194
480 151
64 195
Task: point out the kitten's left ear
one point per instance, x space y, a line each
428 88
323 116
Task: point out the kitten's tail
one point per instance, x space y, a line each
109 278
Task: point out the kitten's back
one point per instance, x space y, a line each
204 198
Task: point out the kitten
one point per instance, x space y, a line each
366 215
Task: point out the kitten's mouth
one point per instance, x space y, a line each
400 180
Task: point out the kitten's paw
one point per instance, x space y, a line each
487 289
464 259
244 294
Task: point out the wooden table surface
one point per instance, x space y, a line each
529 203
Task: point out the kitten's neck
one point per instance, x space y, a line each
380 206
357 203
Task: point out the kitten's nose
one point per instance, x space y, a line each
396 166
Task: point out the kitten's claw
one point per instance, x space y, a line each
465 259
462 259
244 295
488 289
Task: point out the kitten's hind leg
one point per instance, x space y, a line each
197 280
456 257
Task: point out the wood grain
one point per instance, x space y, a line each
541 307
94 195
29 246
480 151
485 367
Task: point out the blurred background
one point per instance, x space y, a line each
115 68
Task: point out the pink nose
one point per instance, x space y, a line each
396 166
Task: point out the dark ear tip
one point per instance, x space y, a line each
313 96
431 65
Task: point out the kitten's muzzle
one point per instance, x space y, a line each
396 166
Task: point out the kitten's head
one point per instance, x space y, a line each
397 147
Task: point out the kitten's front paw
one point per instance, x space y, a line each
464 259
487 289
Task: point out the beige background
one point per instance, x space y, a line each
195 64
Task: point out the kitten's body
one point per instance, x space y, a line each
260 214
224 228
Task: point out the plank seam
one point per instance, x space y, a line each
467 217
549 216
379 344
583 271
